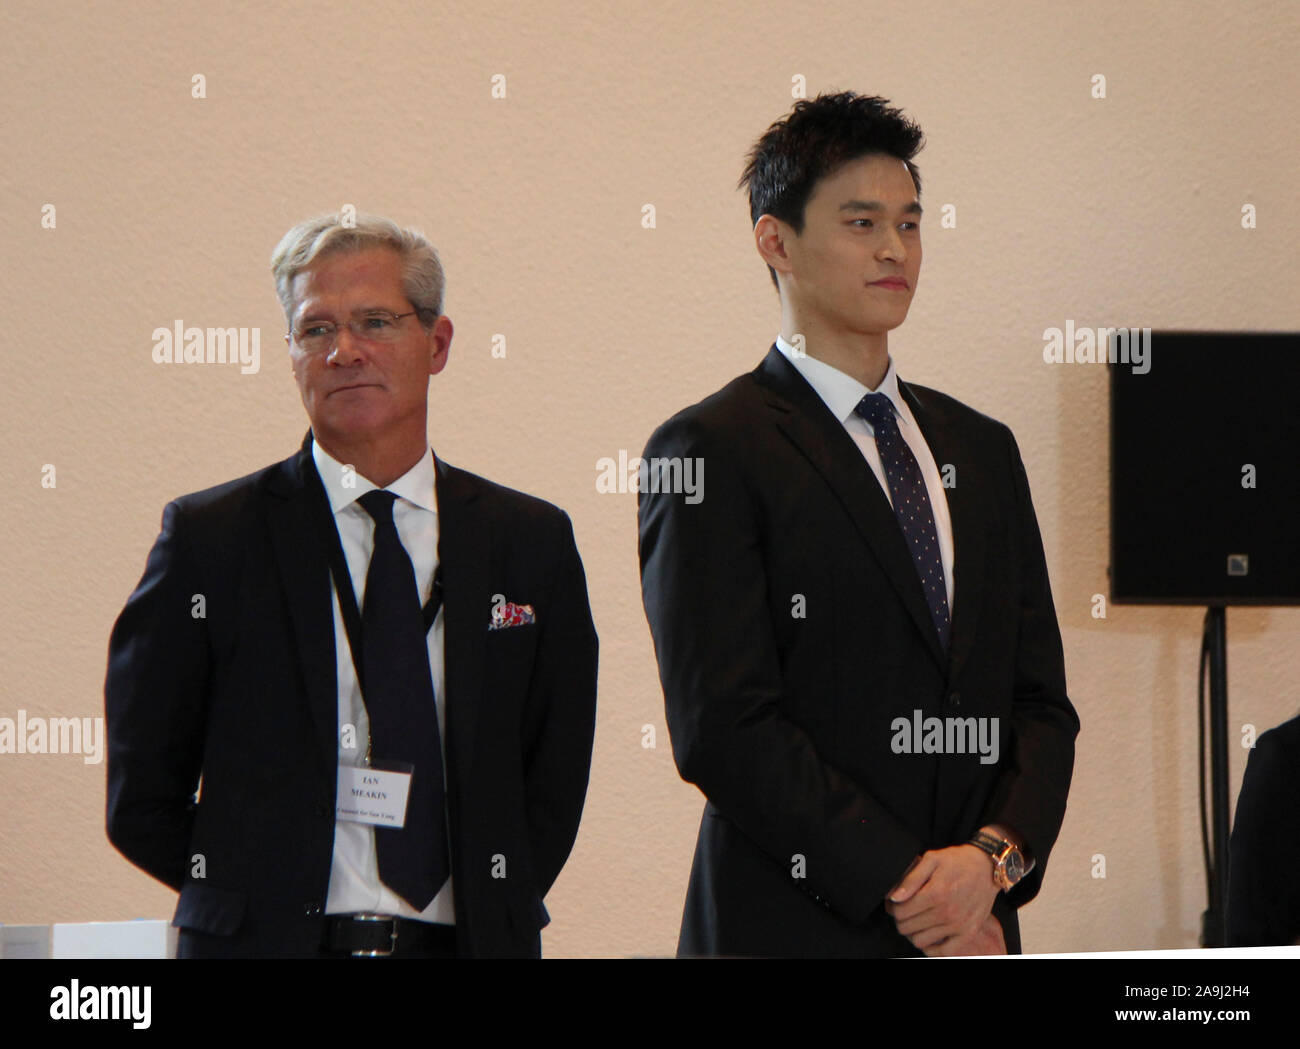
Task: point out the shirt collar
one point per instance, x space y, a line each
841 392
416 486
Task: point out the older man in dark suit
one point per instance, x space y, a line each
377 671
855 632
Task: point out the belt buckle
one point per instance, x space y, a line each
392 935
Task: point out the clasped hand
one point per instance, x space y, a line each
944 903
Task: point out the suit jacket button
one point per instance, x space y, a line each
954 699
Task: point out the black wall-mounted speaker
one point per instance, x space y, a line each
1205 470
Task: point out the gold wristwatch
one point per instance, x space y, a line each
1009 864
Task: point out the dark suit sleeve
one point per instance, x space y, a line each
1031 792
561 717
706 598
155 705
1263 892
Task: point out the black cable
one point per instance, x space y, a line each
1200 763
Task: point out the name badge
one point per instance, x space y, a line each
373 795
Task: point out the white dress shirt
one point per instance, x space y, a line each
354 871
841 394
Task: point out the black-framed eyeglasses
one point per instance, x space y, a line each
371 325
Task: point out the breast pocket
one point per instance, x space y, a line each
513 643
509 655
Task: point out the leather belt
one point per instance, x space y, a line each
383 935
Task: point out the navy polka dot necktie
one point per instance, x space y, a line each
911 506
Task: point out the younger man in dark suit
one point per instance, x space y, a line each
859 652
382 667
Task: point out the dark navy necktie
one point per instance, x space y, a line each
911 506
399 700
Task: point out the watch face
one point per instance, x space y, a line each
1015 866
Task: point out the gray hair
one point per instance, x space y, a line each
422 277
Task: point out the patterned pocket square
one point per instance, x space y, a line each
510 614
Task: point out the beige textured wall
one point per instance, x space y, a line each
1122 211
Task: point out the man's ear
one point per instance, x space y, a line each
440 343
770 237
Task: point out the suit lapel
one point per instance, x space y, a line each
297 514
969 516
805 420
464 546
